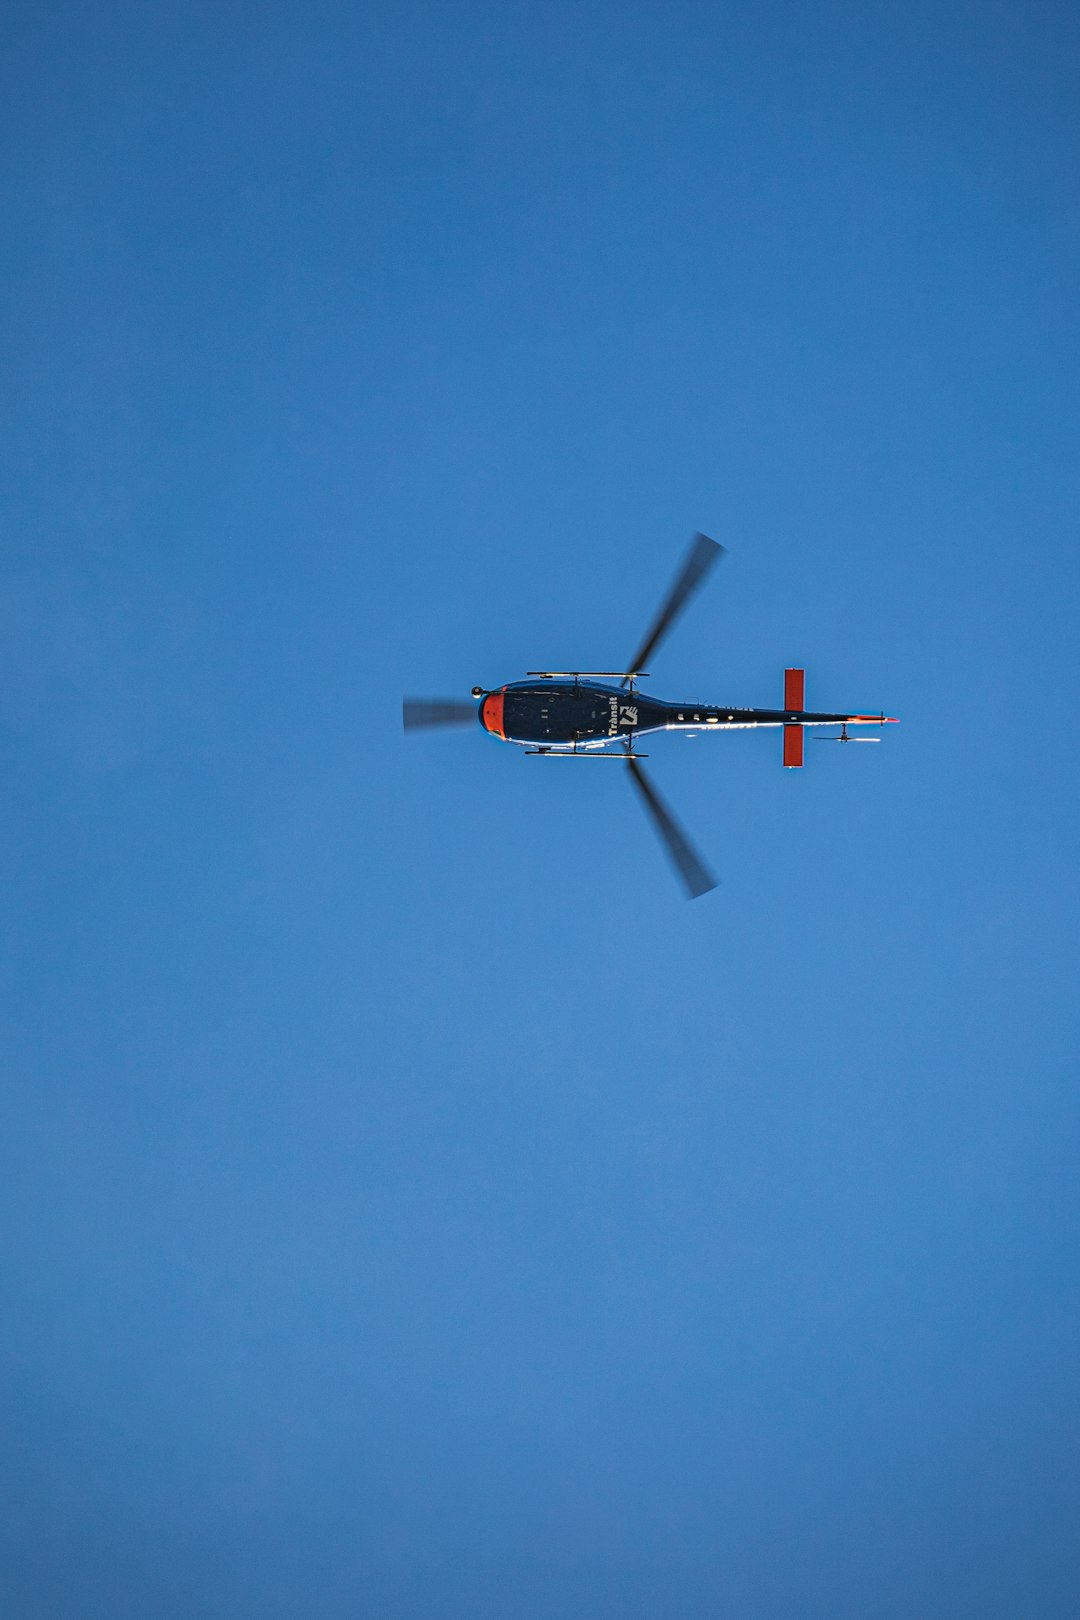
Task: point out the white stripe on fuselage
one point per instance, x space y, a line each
695 728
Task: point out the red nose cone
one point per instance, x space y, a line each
492 714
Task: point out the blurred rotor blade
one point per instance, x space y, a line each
692 869
419 713
699 559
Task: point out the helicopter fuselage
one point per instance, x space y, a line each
583 714
601 714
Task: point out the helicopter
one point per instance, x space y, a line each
577 714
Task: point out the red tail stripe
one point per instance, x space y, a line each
794 689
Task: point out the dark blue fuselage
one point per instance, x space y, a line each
582 713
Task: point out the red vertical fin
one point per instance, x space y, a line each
794 701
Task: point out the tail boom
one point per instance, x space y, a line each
796 718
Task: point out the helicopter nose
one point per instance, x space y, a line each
491 714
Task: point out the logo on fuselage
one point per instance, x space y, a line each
622 714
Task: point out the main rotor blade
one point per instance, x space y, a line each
692 869
699 559
418 713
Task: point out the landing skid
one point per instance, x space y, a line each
627 677
621 754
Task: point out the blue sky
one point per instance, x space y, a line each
411 1207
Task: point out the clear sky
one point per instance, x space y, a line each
412 1209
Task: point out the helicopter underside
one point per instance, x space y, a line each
577 713
586 714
